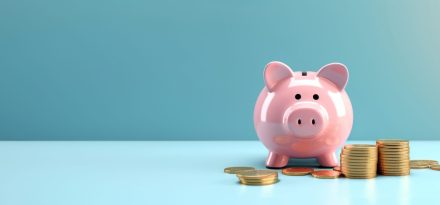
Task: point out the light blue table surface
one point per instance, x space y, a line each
186 172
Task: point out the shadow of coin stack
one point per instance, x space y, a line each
393 157
359 161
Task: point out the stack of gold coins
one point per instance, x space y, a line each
359 161
393 157
258 177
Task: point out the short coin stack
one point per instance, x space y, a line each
258 177
393 157
359 161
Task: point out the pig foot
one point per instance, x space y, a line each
328 160
276 161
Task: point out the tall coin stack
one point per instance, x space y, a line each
393 157
359 161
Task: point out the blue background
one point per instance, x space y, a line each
187 70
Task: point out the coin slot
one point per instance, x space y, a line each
313 121
299 121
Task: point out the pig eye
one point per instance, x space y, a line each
297 96
315 96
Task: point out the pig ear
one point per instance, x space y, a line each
275 72
337 73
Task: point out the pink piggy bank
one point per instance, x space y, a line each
303 114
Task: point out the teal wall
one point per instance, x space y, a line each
187 70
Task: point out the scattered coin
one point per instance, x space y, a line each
235 170
435 167
422 164
326 174
297 171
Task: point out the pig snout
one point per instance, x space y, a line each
306 120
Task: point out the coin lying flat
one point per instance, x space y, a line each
326 174
422 164
392 141
235 170
257 174
435 167
297 171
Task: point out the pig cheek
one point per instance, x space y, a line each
282 140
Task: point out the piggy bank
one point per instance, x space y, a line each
303 114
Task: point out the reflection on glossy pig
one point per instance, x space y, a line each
303 114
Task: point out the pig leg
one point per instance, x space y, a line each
328 160
275 160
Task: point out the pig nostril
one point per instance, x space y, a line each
313 121
299 121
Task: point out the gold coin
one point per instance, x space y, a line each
362 170
358 158
385 152
260 184
355 164
394 170
359 155
394 165
359 164
297 171
235 170
406 174
371 148
357 152
417 166
392 147
382 152
325 174
257 174
367 157
392 141
394 155
361 177
359 173
362 159
258 180
360 146
392 144
424 162
435 167
395 158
